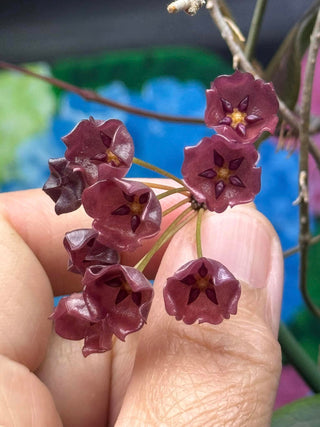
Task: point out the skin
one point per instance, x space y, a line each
166 374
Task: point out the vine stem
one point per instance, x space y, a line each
299 358
90 95
296 249
304 232
156 169
255 28
175 226
198 232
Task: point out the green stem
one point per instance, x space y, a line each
170 192
170 231
299 358
174 207
255 28
198 232
156 169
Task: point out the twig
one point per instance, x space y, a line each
315 152
296 249
314 125
191 7
255 28
304 233
90 95
240 58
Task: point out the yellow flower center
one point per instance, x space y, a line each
237 117
136 207
112 158
202 284
223 173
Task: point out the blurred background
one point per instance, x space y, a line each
134 52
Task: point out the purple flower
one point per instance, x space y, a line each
221 173
85 250
203 290
119 295
100 145
64 185
73 321
240 107
125 212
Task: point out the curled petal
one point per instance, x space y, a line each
125 307
211 299
209 172
120 217
253 102
101 148
84 250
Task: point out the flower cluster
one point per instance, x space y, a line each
219 172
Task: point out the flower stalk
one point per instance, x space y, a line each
173 228
198 232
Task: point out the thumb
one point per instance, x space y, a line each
217 375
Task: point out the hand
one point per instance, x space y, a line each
167 374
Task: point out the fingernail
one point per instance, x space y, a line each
247 244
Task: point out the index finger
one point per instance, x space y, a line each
31 214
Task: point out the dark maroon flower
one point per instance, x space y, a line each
221 173
100 145
203 290
240 107
64 185
85 250
118 294
125 212
73 321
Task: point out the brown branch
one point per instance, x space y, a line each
304 233
90 95
296 249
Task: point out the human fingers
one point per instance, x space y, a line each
217 375
26 299
31 214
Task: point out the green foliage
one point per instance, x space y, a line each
26 106
301 413
285 68
182 62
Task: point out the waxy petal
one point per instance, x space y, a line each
212 304
221 173
256 99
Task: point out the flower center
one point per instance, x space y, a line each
223 173
136 208
237 117
112 158
202 284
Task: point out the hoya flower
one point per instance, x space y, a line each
125 212
85 250
221 173
240 107
64 185
118 295
73 321
96 144
203 290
